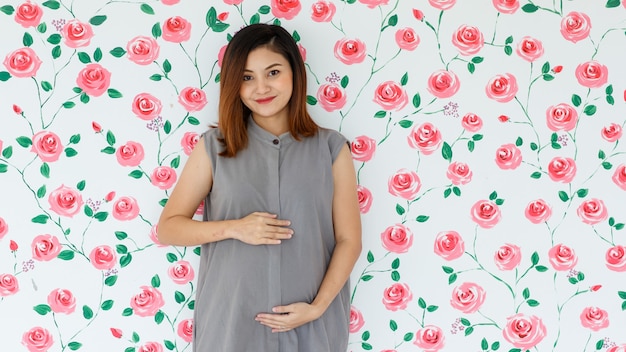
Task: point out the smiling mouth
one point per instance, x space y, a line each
265 100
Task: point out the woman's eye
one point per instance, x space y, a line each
247 78
274 72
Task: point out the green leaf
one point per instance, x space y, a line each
220 27
405 123
447 192
447 269
311 100
97 20
610 4
452 278
535 175
296 36
541 268
171 257
167 127
193 121
56 52
175 162
4 76
576 100
601 154
27 40
417 100
366 346
619 226
421 303
101 216
88 211
40 219
162 202
580 276
519 141
563 196
256 18
84 98
526 293
211 17
127 312
477 137
609 89
264 10
465 322
431 308
70 152
484 345
457 191
87 312
46 86
395 264
607 165
121 249
42 309
400 210
367 277
370 257
345 81
422 218
508 40
121 235
405 79
125 260
54 39
395 276
45 170
621 294
110 138
111 280
69 104
7 9
179 297
532 303
159 316
582 193
74 345
493 195
477 59
66 255
114 93
84 57
380 114
52 4
393 325
41 192
167 66
495 346
3 168
147 9
446 151
530 8
590 110
169 345
393 20
548 77
81 185
107 305
610 100
508 50
534 258
408 336
471 145
97 55
469 330
156 30
545 68
118 52
611 221
155 281
600 343
534 146
108 150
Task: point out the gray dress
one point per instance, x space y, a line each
236 281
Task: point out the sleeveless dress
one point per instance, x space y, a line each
236 281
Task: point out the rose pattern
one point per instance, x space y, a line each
142 50
404 184
94 79
163 177
65 201
331 97
363 148
529 49
443 84
192 99
592 211
323 11
425 137
287 9
459 173
390 96
176 30
449 245
350 51
130 154
502 88
562 257
125 208
468 297
397 238
524 331
407 39
45 247
62 301
146 106
147 302
468 40
181 272
397 297
508 157
562 169
51 101
442 4
356 320
37 339
430 338
485 214
22 62
594 318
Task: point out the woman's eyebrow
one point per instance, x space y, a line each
267 68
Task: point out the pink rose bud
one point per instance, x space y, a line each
419 15
13 246
109 197
595 288
503 118
117 333
96 127
18 110
557 69
222 16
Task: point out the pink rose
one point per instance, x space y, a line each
468 297
103 257
287 9
562 169
508 157
142 50
146 106
592 74
363 148
397 238
76 34
502 88
425 137
612 133
176 30
189 141
443 84
181 272
94 80
172 2
220 55
28 14
397 297
471 122
148 302
592 211
22 63
37 339
365 199
62 301
594 318
430 338
356 320
538 211
8 285
302 51
390 96
404 184
506 6
323 11
233 2
508 257
616 258
449 245
442 4
459 173
562 257
561 117
523 331
407 39
154 237
468 39
47 145
150 346
619 177
373 3
620 348
125 208
350 51
130 154
185 330
45 247
485 214
575 26
4 228
163 177
529 49
331 96
192 99
65 201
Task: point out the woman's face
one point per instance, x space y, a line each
267 84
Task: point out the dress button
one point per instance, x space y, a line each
275 141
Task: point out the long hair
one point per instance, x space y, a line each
233 114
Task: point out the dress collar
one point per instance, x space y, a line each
266 137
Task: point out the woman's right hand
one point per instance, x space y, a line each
262 228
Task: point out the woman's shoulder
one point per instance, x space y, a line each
334 139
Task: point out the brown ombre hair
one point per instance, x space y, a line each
233 114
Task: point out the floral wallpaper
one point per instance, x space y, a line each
487 136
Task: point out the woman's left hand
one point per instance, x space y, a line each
285 318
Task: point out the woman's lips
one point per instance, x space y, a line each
265 100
